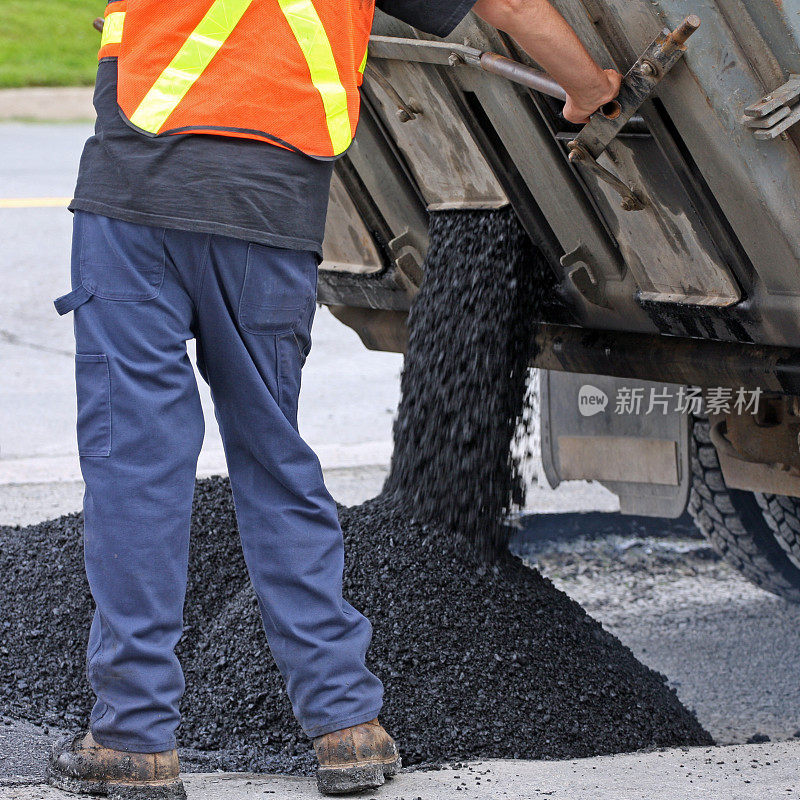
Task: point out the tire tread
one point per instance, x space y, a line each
758 535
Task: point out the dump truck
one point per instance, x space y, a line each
669 370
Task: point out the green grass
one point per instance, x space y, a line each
48 42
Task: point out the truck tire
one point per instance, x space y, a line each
783 517
738 524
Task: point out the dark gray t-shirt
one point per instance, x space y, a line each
217 184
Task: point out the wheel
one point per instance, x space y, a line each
742 526
783 517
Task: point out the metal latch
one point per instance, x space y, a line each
407 253
774 113
638 84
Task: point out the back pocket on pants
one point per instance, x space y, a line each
279 290
93 384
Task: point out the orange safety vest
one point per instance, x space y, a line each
280 71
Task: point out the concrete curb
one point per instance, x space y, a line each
741 772
43 104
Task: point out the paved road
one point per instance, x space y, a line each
730 650
751 772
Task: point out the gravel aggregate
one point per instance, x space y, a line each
465 376
479 661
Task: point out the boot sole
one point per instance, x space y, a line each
153 790
348 780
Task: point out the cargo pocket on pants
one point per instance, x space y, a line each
121 260
93 384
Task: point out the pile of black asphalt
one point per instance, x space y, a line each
479 661
481 657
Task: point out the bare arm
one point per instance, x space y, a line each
548 39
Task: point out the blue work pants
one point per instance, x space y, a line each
139 293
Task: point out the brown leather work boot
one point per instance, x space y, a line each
79 764
356 758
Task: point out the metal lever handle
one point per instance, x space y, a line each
535 79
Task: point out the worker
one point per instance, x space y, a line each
199 214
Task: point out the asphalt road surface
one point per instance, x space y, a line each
730 650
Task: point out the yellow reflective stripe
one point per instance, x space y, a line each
112 28
364 62
188 64
310 34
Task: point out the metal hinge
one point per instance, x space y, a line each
774 113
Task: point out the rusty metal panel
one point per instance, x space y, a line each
449 169
348 245
666 245
671 254
421 115
715 253
755 183
778 23
586 241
